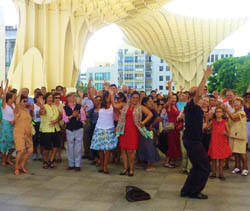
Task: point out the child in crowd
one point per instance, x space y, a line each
219 148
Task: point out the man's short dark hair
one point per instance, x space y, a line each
113 85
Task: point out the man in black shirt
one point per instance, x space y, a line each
192 138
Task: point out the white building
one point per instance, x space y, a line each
82 78
219 54
101 73
161 74
2 46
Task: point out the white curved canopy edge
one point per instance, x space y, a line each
57 31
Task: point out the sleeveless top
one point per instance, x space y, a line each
105 119
36 114
8 113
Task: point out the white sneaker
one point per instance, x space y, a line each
244 172
236 171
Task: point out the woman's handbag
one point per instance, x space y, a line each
169 126
238 131
33 130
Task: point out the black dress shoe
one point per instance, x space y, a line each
77 169
184 194
70 168
199 196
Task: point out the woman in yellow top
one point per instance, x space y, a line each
59 105
22 133
50 130
238 136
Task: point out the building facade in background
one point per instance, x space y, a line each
103 73
2 46
10 41
138 69
219 54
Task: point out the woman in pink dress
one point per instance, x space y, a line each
174 149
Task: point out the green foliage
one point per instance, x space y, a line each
231 73
83 87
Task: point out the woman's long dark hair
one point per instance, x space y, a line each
122 96
145 100
47 95
104 103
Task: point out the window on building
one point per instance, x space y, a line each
161 68
128 77
106 76
216 57
148 74
167 78
142 52
222 56
167 68
231 55
125 51
129 67
212 58
162 61
167 88
226 55
160 87
208 60
90 75
136 59
161 78
148 59
173 88
98 76
129 59
99 86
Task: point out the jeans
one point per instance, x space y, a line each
74 139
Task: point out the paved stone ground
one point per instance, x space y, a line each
62 190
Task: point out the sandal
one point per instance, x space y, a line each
222 178
52 165
23 171
167 165
45 165
17 172
212 176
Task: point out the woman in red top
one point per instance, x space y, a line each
128 130
174 149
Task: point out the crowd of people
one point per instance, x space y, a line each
110 124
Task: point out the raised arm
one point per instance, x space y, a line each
115 105
148 114
233 116
5 93
91 94
203 82
1 89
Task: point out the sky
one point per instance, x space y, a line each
104 44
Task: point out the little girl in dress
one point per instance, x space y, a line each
219 148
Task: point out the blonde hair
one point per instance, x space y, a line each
239 99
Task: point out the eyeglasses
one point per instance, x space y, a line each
57 98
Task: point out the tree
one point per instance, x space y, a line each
231 73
